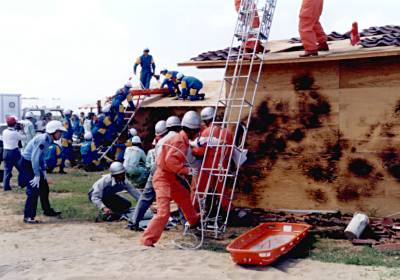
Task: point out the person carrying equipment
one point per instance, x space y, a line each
33 172
148 195
311 32
11 154
134 162
199 149
53 157
145 61
190 88
90 156
66 142
170 82
170 164
104 193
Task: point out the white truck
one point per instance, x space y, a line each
10 105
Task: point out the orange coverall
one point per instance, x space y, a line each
170 163
250 45
311 31
215 183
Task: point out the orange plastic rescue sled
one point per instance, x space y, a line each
267 242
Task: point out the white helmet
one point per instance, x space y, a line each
179 76
146 50
117 168
133 132
128 85
88 136
173 121
106 108
136 140
29 115
161 128
68 112
207 113
54 126
191 120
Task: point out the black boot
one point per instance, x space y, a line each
52 213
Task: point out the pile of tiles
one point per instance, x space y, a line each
218 55
391 36
382 233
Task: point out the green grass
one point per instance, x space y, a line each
68 194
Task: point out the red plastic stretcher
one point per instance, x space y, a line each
143 92
267 242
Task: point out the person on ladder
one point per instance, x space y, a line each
215 135
90 156
312 34
170 164
146 61
117 109
66 142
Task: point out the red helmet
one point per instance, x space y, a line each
11 120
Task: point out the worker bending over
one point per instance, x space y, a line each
11 154
104 193
215 157
135 162
117 109
53 157
90 156
148 66
148 195
66 142
312 34
190 87
170 164
33 172
170 82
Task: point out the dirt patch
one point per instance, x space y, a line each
348 193
303 82
391 160
317 195
360 167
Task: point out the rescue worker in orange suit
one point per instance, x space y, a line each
312 34
251 44
199 149
170 164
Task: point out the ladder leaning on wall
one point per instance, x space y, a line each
241 82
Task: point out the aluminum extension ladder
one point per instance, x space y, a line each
238 102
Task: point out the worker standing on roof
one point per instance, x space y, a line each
312 34
11 154
66 142
148 195
104 193
190 87
52 157
170 164
90 156
170 82
145 61
216 136
117 110
33 172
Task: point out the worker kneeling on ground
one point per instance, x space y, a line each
104 193
190 87
135 163
90 156
148 195
66 143
170 82
170 164
33 172
216 155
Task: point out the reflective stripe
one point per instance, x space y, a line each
93 147
102 130
193 91
107 121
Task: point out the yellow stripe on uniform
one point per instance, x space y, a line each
107 121
193 91
93 147
183 85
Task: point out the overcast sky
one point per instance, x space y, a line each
79 51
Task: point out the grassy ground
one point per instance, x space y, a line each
68 193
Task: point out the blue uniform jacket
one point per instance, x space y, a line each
89 152
169 77
146 62
52 155
190 83
36 150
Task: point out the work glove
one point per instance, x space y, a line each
44 174
193 172
35 182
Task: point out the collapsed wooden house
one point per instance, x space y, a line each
324 131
